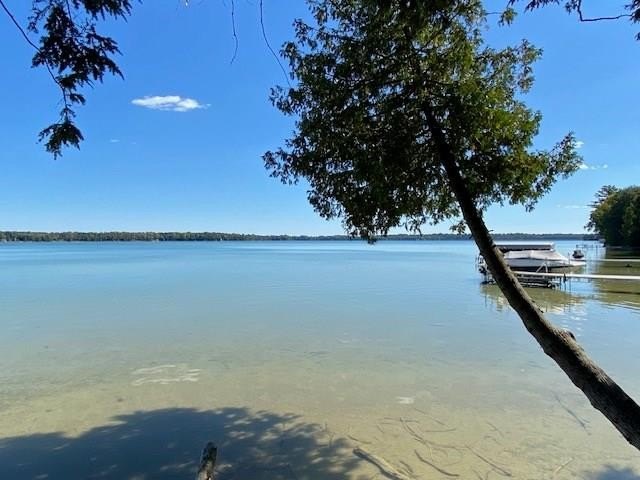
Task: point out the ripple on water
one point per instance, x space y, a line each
165 374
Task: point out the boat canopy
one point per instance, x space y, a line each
515 247
541 255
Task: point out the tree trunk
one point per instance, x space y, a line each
603 393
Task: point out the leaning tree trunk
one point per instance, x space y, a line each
603 393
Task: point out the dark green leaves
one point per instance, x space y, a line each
75 55
616 216
62 134
368 74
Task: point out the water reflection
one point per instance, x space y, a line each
617 292
555 301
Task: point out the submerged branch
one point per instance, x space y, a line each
382 465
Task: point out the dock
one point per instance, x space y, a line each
543 256
580 276
613 260
551 280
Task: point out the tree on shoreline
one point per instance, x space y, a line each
616 216
404 116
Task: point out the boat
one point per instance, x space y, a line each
532 256
577 254
536 260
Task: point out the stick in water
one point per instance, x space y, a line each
381 463
580 421
557 470
497 468
432 465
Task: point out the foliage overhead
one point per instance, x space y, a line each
616 216
371 75
75 54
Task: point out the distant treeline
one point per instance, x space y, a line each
9 236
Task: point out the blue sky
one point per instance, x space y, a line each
144 168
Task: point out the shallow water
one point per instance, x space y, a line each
120 360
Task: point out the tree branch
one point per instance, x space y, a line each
266 41
233 27
598 19
18 26
28 40
570 7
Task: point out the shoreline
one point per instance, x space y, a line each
49 237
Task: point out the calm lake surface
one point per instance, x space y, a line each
121 360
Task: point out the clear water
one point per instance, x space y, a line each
121 360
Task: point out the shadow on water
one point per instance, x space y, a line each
166 444
610 472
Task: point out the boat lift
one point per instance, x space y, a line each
547 279
553 280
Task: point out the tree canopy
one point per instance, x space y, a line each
616 216
370 81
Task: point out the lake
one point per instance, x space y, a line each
121 360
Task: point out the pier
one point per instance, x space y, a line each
613 260
554 279
551 280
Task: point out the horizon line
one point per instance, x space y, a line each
340 235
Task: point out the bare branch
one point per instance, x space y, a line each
30 42
266 41
18 26
571 6
233 27
597 19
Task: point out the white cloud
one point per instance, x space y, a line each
578 144
573 207
602 166
170 103
114 140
